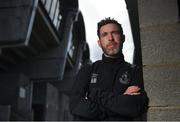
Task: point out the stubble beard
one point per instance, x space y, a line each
114 52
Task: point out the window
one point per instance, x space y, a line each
52 8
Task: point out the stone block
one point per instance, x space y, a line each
154 12
163 114
162 84
160 44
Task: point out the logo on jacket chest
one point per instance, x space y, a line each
94 78
124 78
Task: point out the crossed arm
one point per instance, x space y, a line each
132 103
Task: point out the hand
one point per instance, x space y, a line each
132 90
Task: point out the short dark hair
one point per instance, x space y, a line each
105 21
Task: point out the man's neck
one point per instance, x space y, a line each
116 56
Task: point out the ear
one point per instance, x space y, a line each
99 43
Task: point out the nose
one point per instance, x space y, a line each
110 37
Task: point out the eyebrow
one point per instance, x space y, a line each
104 33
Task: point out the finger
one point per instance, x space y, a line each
133 89
137 93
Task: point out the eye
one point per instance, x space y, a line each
104 34
116 32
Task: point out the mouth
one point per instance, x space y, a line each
110 46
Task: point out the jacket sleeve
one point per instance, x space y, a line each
125 105
79 104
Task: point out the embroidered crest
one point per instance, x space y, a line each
124 79
94 78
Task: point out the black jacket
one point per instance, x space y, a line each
97 93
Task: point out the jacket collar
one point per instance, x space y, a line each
119 59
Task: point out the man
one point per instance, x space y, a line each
109 89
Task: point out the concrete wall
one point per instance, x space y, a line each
160 41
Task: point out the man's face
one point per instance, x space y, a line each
111 39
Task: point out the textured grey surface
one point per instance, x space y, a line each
160 35
160 44
164 114
152 12
162 84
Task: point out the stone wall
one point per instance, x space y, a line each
160 41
